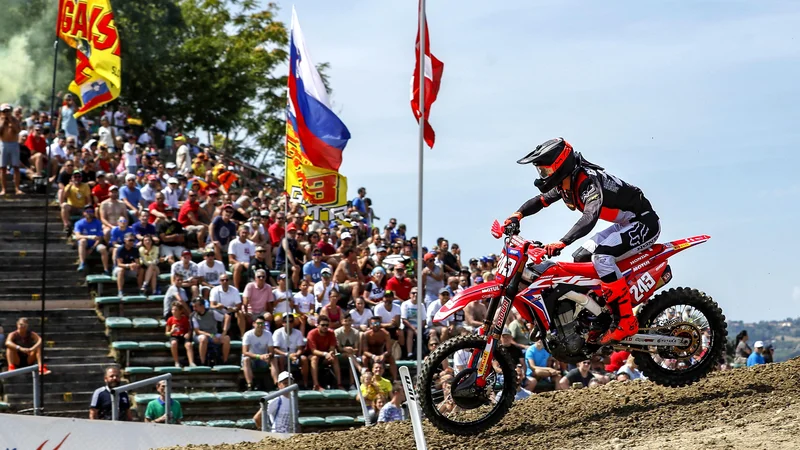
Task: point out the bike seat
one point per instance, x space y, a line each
584 269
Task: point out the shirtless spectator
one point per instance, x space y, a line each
322 351
9 151
474 315
376 347
110 210
24 348
349 340
348 276
390 317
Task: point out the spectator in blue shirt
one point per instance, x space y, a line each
142 228
540 364
117 236
393 409
312 270
89 234
131 195
757 356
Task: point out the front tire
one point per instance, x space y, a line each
650 316
431 366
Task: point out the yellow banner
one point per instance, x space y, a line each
306 182
88 26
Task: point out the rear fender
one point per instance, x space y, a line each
646 283
460 301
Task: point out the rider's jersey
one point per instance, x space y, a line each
599 195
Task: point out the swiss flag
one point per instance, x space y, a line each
433 77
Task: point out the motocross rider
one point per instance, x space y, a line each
565 175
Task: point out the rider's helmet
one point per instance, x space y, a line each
554 160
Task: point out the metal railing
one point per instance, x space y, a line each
34 369
357 380
292 399
147 382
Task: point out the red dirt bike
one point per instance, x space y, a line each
468 383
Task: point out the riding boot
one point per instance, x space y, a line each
624 322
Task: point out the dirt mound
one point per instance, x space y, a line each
754 407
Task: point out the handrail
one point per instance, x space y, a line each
357 379
34 369
291 388
137 384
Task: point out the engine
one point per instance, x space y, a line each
571 324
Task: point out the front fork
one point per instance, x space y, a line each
504 303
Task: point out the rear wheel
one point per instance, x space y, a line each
451 399
686 313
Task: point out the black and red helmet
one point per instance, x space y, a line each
554 160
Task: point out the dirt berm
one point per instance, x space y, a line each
752 408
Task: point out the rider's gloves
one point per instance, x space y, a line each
554 249
516 217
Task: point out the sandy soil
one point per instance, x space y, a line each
753 408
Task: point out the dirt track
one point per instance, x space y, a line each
753 408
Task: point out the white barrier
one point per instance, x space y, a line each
413 408
50 433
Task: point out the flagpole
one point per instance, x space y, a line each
420 291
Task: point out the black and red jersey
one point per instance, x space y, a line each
598 195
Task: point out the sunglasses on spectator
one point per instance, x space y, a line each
223 279
324 324
260 323
261 277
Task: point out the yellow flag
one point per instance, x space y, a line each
88 26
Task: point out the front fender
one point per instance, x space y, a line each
462 299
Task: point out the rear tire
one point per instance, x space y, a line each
425 381
716 323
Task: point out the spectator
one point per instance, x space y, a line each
127 264
757 356
189 273
332 311
304 307
374 289
100 191
768 353
322 351
149 190
312 270
432 278
257 350
10 128
322 289
175 295
240 251
222 231
157 210
369 387
630 370
110 210
289 341
262 261
66 119
144 228
204 325
180 335
507 342
742 351
74 197
189 218
283 301
409 311
541 366
209 272
581 375
276 230
171 235
398 283
377 346
100 405
118 233
149 259
131 195
361 315
156 411
258 297
24 348
393 410
390 317
279 409
227 303
89 234
290 254
130 155
348 340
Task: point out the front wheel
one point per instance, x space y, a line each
448 392
688 313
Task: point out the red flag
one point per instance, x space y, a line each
433 78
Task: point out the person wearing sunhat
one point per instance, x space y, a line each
74 197
279 409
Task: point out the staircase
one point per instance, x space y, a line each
76 348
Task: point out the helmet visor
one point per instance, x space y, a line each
545 171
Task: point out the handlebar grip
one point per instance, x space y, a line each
512 228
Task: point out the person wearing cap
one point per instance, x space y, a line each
89 236
110 210
131 195
209 272
279 409
171 170
156 412
173 193
127 263
289 341
74 197
757 357
183 156
289 253
322 288
100 189
222 231
9 147
205 335
188 270
172 237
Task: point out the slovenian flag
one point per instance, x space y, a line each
322 135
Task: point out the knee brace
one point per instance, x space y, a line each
606 267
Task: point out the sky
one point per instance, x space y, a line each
696 103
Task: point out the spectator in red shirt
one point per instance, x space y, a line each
322 350
276 230
35 141
399 283
157 208
324 244
100 190
180 335
189 217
